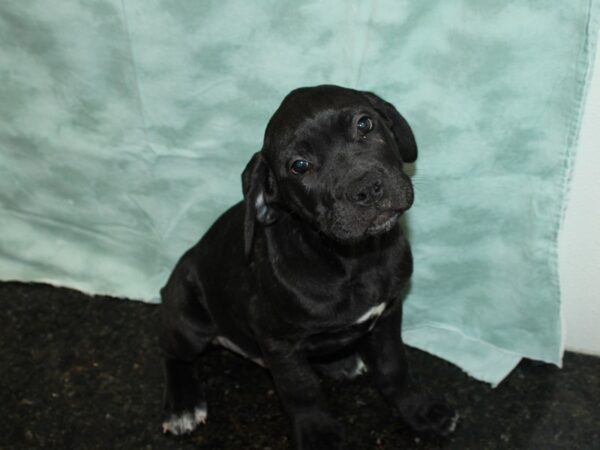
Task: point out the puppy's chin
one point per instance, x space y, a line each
357 232
383 223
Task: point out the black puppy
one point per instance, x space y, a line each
308 272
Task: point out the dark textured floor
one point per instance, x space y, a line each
79 372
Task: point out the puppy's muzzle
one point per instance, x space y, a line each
375 190
366 191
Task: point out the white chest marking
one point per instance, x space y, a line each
234 348
372 313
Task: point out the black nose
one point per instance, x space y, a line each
366 191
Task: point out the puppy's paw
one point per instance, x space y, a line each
317 431
426 415
184 422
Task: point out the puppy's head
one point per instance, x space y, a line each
332 156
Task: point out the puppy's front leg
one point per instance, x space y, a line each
384 354
301 396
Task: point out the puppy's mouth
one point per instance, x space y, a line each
383 223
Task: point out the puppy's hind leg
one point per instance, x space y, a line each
187 331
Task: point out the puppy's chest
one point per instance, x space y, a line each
365 302
357 306
361 302
354 318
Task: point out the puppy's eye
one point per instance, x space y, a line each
300 166
364 125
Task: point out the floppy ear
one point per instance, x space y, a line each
258 186
399 126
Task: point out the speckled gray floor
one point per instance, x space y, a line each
79 372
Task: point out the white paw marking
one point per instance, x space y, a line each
358 370
185 423
454 422
372 313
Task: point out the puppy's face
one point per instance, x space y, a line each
334 157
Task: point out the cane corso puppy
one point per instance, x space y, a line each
307 273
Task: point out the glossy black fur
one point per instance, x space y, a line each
286 274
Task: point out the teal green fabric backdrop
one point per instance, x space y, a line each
125 125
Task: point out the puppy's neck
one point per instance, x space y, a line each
294 235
